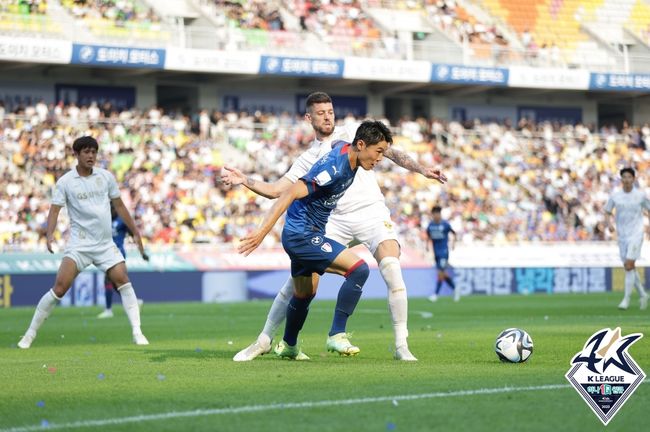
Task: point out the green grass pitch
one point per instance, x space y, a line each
85 374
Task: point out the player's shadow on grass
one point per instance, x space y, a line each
161 356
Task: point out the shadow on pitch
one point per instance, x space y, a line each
162 355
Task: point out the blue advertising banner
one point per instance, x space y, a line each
300 66
469 75
227 286
630 82
88 288
130 57
500 281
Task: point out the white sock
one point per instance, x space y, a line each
638 284
391 271
278 312
43 310
130 303
630 279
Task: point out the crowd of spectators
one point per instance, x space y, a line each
119 12
24 7
517 183
456 21
254 14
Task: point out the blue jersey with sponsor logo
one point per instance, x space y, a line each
326 182
439 235
120 231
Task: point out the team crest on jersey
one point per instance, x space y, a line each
316 240
604 373
388 225
98 181
326 247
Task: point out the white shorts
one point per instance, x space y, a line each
104 256
369 227
630 249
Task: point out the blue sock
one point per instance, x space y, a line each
349 295
438 286
108 291
450 282
297 310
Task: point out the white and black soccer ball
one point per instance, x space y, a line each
514 345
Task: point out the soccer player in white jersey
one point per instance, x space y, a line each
360 217
629 203
87 191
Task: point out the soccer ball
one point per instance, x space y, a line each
513 345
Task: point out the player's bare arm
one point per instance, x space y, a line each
231 176
608 222
122 212
52 218
405 161
250 242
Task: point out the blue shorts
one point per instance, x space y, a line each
442 263
310 252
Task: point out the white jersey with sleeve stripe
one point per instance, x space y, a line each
87 200
364 190
629 212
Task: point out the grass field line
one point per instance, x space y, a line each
283 406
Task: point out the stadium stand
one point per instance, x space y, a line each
544 182
555 33
125 19
23 16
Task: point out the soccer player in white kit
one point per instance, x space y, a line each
87 192
629 203
360 217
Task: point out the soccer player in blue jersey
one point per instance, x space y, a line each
310 202
438 231
360 217
120 230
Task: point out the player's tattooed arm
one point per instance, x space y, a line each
405 161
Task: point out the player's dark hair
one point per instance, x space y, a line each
627 170
436 209
317 97
372 132
83 143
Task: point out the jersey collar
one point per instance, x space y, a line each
77 175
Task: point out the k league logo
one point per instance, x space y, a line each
604 373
